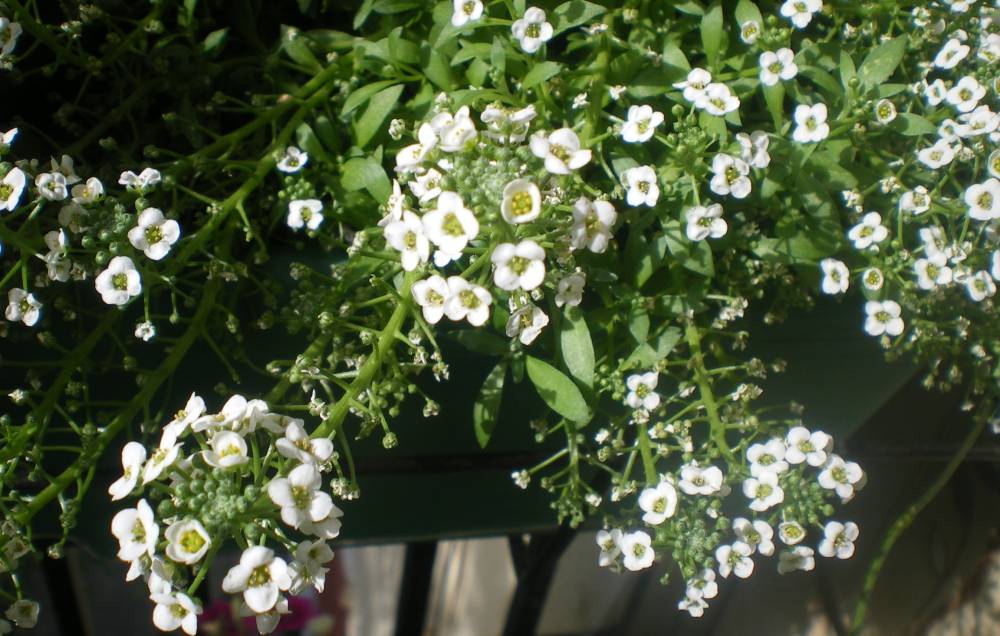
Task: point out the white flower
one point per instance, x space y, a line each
836 276
145 331
409 158
192 411
136 531
133 457
187 541
641 185
965 94
750 31
293 160
52 186
145 180
520 266
791 532
506 125
175 611
659 503
328 528
305 213
883 317
450 226
757 534
592 222
431 294
297 445
260 576
11 187
427 186
798 558
521 203
454 131
980 286
22 306
24 613
609 544
161 459
466 301
872 278
764 491
753 148
705 222
702 585
299 496
570 289
226 449
641 124
838 539
641 390
734 559
266 622
800 12
915 201
776 66
119 282
840 476
89 192
465 11
768 457
695 606
307 568
153 234
951 54
696 480
560 150
730 176
532 30
7 138
636 551
935 92
983 200
932 271
885 111
65 167
526 323
935 242
717 100
869 231
801 445
694 84
810 123
407 236
938 155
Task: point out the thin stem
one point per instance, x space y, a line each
717 427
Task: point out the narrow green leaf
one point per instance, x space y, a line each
486 408
747 11
913 125
306 139
297 49
558 391
881 63
573 13
577 347
379 107
693 255
711 32
541 72
214 41
847 69
774 96
358 98
363 13
365 173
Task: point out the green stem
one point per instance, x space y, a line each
371 366
904 520
648 467
717 427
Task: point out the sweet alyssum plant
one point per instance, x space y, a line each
587 195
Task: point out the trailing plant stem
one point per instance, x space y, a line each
717 427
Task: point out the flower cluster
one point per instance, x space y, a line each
249 467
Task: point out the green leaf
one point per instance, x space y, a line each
558 391
647 355
913 125
711 32
297 49
577 347
389 7
370 123
747 11
306 139
437 69
693 255
847 69
327 133
774 96
881 63
486 408
674 57
363 13
573 13
481 341
214 41
357 99
364 173
541 72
